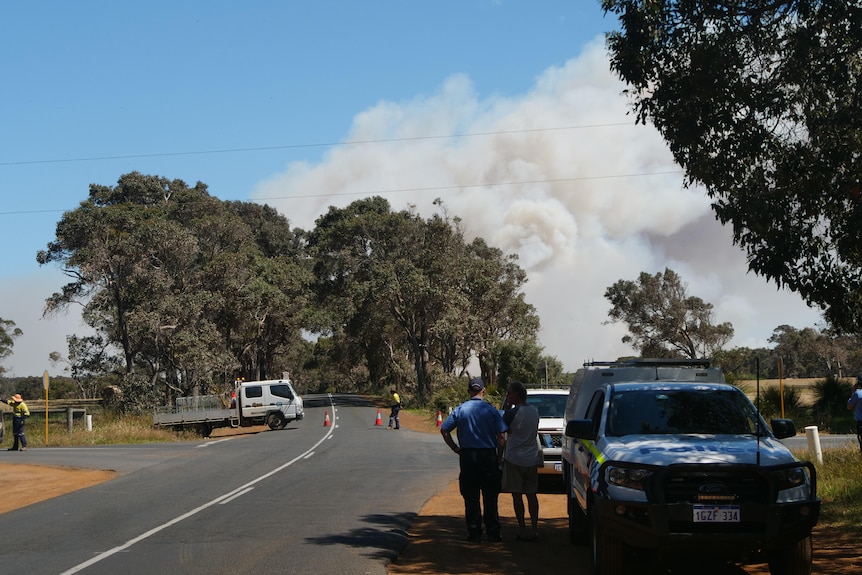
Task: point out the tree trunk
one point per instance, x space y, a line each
420 362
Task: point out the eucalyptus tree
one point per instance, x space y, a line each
368 280
112 250
809 352
91 364
8 333
517 360
759 103
663 320
495 308
411 288
274 302
173 278
742 363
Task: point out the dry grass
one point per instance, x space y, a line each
839 485
106 430
805 386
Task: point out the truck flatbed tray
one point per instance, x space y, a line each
192 416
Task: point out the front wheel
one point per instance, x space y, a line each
608 551
276 421
795 559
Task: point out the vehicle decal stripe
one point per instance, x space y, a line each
600 458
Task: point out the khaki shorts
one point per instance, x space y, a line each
519 479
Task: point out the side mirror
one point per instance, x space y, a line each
581 429
783 428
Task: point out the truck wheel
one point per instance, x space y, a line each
607 550
203 429
577 518
794 559
276 421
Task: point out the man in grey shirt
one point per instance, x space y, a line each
521 458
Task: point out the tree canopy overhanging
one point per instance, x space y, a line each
759 102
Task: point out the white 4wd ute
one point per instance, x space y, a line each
551 405
663 455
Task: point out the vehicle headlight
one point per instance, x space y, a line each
630 477
793 484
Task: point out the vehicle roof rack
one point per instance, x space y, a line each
650 362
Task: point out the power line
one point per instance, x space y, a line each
301 146
353 143
419 189
456 187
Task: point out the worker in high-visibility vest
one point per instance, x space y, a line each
394 417
19 414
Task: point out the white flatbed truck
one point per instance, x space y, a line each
273 403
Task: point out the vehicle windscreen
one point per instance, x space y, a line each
281 390
548 405
680 411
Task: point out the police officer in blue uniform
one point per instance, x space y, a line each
479 428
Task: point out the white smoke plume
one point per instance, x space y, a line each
561 176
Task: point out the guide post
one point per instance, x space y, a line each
45 380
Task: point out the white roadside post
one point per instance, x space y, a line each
45 380
813 437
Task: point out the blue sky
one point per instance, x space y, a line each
505 110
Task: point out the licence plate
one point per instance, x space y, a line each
558 467
716 513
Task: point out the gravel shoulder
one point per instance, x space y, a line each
436 544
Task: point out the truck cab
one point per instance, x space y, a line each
271 402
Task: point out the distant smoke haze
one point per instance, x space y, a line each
562 177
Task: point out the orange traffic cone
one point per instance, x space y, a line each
439 418
379 420
326 422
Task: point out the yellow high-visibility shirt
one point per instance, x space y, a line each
19 409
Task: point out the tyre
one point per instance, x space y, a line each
276 420
607 550
794 559
203 429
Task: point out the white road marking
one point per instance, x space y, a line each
235 495
221 499
213 442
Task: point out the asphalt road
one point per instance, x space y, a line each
308 499
800 442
